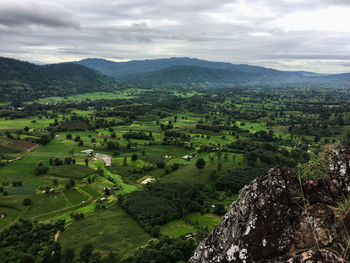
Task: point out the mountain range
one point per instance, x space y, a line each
182 70
22 81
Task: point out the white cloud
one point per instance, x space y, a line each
286 34
334 19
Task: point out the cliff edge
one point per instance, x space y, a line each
279 217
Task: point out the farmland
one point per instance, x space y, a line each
86 159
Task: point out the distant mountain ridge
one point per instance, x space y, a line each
185 69
23 81
121 69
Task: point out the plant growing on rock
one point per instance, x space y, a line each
318 166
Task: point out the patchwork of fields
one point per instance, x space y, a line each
198 154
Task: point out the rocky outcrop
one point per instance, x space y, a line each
279 218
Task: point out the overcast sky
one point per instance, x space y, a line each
311 35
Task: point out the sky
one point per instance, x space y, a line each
311 35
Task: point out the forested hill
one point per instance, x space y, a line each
23 81
189 74
184 70
122 69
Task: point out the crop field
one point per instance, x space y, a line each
112 229
177 228
93 193
7 215
126 94
75 197
74 171
27 188
193 223
44 204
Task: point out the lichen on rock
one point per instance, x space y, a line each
277 218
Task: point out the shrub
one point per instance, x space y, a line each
27 201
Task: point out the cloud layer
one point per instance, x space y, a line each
308 35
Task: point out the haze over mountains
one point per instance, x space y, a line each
196 70
25 81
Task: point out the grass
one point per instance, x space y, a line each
87 208
204 221
23 170
27 188
126 188
193 222
73 171
75 197
14 201
188 173
108 230
10 214
45 203
177 228
127 94
21 123
229 200
93 193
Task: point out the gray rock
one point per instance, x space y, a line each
277 218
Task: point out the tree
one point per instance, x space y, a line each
40 168
86 252
57 161
112 145
233 158
213 176
134 157
160 164
219 209
219 166
200 163
27 201
68 255
96 257
68 160
111 258
71 182
125 162
27 259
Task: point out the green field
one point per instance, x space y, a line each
73 171
75 197
193 223
109 230
46 203
93 193
7 215
127 94
27 188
